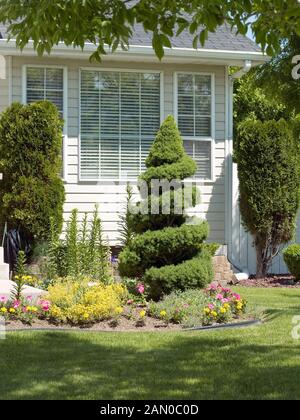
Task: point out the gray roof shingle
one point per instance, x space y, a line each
222 39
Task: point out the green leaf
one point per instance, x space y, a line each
158 46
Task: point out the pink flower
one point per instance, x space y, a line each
3 299
219 296
29 298
16 304
130 302
212 287
238 297
211 306
45 305
140 288
225 300
226 290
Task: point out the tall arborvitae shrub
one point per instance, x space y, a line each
166 251
32 191
267 154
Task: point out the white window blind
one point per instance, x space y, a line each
194 108
120 116
45 84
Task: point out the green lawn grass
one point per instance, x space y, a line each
252 363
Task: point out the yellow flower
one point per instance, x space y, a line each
239 307
86 315
142 314
207 311
3 310
214 314
119 310
226 306
17 278
31 309
163 314
12 311
223 310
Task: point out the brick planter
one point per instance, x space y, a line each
222 270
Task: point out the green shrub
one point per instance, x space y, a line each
267 155
191 274
30 159
166 252
291 257
163 247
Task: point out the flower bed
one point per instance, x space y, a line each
25 310
80 303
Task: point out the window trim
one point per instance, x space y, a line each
65 106
117 70
212 138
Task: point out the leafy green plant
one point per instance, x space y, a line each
31 192
291 257
210 248
267 155
82 252
166 251
71 244
19 276
126 229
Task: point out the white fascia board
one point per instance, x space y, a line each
142 53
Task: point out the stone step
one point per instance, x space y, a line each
4 268
4 272
6 288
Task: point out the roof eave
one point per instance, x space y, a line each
144 53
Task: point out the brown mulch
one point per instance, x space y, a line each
272 280
124 324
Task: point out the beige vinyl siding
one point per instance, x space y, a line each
110 197
4 88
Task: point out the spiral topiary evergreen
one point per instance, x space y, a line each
166 251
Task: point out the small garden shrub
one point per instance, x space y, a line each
166 252
79 301
32 191
215 305
291 257
193 273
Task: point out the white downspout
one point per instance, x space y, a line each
247 67
2 67
232 172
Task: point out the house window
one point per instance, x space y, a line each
195 119
45 84
120 116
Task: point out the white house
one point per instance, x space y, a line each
112 111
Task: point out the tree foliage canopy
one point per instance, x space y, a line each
276 79
110 23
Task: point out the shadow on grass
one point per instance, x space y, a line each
146 366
